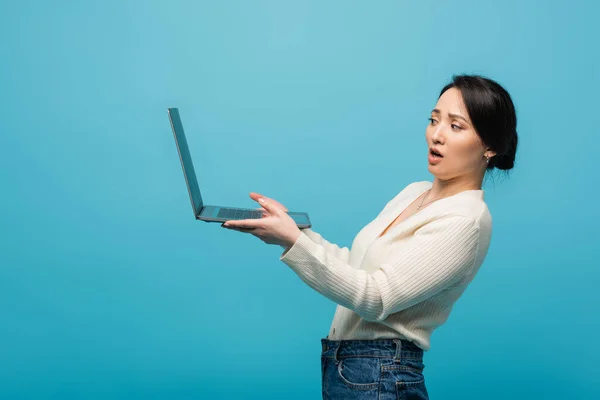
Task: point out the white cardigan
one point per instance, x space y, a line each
405 283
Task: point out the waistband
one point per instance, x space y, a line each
395 348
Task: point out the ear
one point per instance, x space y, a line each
489 153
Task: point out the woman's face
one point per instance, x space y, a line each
451 133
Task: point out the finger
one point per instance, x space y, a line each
255 196
236 228
243 223
269 206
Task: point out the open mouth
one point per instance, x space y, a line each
435 153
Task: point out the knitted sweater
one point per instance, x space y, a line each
404 283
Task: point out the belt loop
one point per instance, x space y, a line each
335 356
398 357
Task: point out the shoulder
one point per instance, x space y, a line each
468 206
471 205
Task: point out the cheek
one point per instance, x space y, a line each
465 152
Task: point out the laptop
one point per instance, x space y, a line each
214 213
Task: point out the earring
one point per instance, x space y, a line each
487 159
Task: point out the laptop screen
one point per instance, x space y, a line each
186 160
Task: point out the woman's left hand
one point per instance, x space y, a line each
277 227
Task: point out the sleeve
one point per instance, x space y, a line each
341 253
439 254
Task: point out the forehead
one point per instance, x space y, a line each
451 102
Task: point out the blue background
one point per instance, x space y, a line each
110 289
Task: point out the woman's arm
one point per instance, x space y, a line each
439 254
341 253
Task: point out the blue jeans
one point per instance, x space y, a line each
381 369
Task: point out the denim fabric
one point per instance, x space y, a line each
381 369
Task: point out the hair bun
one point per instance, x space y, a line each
506 161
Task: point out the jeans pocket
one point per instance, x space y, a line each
360 373
411 390
408 378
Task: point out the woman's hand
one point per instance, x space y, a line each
255 196
276 226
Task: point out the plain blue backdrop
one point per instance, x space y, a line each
110 289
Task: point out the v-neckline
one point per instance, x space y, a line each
406 204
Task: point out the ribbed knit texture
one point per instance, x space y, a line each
405 283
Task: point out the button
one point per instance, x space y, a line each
333 331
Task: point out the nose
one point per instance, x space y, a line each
437 136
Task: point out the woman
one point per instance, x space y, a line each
408 266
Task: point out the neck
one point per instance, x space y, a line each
443 188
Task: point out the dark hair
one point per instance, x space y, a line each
493 115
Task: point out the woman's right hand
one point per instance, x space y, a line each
255 196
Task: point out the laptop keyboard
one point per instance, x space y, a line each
234 213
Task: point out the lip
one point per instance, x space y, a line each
434 160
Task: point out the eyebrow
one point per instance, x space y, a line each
435 110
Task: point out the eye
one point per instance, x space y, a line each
432 120
454 125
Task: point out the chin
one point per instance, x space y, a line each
433 169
